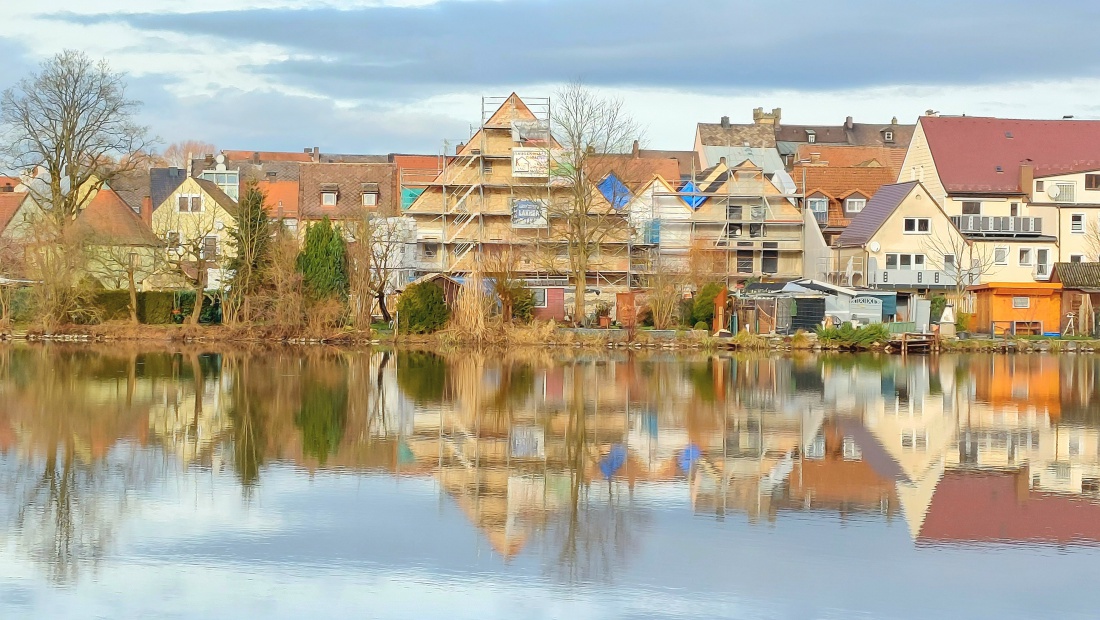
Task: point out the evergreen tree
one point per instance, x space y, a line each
323 262
251 237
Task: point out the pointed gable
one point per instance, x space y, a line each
108 220
879 208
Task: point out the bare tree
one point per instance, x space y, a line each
190 254
1092 239
12 267
72 123
376 256
964 261
502 266
590 211
286 281
118 264
664 289
176 154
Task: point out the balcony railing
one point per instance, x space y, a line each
995 225
824 220
919 278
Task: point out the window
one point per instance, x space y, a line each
1075 446
1092 181
1025 257
1066 192
905 261
1077 223
850 450
972 208
756 230
1014 209
769 261
819 205
539 295
744 261
811 138
328 199
210 247
430 250
918 225
1038 186
1076 258
1000 255
370 199
227 180
190 203
913 439
855 205
173 238
815 450
487 168
888 136
949 263
1021 303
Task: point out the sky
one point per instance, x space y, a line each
379 76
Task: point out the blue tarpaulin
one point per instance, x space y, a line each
687 190
615 192
688 457
613 461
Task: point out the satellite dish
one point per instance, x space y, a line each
1053 190
874 246
220 158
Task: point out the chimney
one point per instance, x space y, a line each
1027 178
722 160
256 158
307 151
316 153
147 210
815 158
848 124
459 147
209 159
725 122
635 150
894 121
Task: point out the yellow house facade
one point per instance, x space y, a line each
194 222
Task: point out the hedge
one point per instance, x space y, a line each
154 307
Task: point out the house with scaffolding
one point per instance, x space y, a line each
734 222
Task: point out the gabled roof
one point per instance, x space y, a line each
1077 275
756 135
132 187
281 198
635 172
687 160
9 206
858 134
109 220
967 150
213 191
164 181
767 159
348 181
878 209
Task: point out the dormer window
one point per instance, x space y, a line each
887 136
329 194
370 194
811 136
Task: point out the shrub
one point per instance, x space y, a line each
703 305
422 376
857 337
155 307
114 305
645 316
523 305
687 308
421 309
701 325
939 302
962 321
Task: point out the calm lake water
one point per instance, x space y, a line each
322 484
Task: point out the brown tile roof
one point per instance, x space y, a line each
281 198
837 181
348 179
860 134
109 220
969 149
757 136
132 187
846 156
635 171
9 205
687 160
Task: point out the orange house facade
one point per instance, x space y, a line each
1002 308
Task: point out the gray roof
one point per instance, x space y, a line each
164 181
756 135
878 209
767 159
1077 275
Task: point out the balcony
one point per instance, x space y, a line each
824 220
917 278
998 225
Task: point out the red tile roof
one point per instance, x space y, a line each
837 181
967 150
998 506
12 181
109 220
281 198
9 205
348 181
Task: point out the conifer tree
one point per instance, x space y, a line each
252 238
323 262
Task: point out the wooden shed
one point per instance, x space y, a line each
1018 308
1080 297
